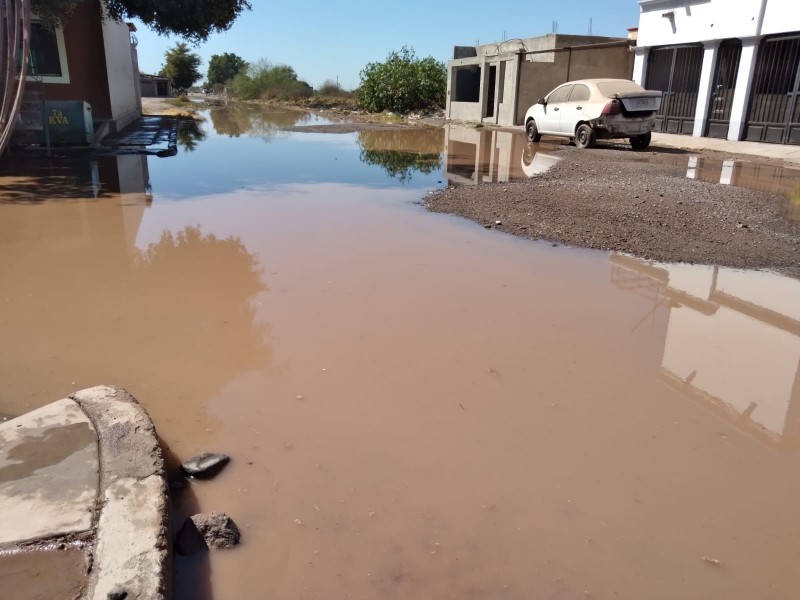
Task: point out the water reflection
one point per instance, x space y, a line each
490 156
402 152
238 119
190 133
732 342
37 180
762 176
145 318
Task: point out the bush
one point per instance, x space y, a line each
330 87
265 81
403 83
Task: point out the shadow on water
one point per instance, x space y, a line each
191 574
402 152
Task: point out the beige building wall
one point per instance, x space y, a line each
122 73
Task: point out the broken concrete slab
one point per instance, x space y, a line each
92 467
48 473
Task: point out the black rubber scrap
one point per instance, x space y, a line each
205 465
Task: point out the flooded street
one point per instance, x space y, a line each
415 407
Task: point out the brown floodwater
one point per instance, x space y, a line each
415 406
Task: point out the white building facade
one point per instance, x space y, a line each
728 68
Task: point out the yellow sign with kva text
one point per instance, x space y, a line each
58 118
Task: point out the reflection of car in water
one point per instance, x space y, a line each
536 163
591 109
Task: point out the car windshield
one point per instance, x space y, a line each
610 88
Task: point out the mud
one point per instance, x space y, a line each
640 203
43 574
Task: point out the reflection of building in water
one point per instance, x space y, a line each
125 178
732 342
765 177
485 156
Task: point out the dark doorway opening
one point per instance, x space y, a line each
491 84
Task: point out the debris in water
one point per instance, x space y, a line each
298 397
492 372
206 464
298 522
462 406
714 561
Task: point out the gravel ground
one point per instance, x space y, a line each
639 203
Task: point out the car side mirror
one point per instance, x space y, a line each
542 101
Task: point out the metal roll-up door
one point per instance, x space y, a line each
675 70
774 111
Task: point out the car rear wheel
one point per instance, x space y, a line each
585 137
640 142
532 132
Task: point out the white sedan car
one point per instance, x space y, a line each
591 109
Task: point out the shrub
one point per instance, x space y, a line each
330 87
264 80
403 83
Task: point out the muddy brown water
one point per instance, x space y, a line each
415 406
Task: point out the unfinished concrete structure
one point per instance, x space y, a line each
497 83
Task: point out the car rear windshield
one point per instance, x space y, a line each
610 88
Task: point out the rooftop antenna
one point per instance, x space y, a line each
504 35
590 25
555 26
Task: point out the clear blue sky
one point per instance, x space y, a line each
323 38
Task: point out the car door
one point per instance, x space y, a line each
573 110
551 112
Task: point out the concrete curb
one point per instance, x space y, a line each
132 541
82 482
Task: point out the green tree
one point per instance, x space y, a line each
193 20
403 83
180 66
224 67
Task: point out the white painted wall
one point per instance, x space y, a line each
702 20
781 16
123 74
694 21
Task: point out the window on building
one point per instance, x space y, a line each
466 84
48 60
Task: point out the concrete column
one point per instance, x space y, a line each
514 91
483 93
710 50
744 83
640 64
450 70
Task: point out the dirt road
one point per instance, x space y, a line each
641 203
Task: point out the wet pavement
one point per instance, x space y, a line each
415 406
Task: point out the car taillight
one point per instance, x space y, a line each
612 108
